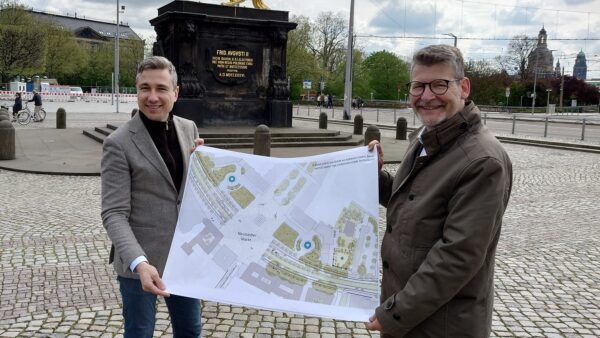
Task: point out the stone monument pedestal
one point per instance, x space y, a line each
230 63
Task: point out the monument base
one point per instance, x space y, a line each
279 113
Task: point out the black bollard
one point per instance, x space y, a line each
372 133
401 128
61 118
7 136
262 141
323 121
358 124
133 112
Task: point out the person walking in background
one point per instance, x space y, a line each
18 105
444 210
143 170
329 101
37 102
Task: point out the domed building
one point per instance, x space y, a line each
541 57
580 67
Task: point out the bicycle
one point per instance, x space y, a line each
25 116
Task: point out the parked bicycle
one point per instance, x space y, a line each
26 115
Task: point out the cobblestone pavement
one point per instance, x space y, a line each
55 280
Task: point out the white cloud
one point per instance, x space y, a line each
472 21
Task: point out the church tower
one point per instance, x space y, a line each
580 67
540 59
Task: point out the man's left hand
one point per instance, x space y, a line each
197 142
373 324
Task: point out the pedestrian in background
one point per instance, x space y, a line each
18 105
37 102
444 210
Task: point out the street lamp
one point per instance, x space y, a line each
120 9
548 100
348 79
452 35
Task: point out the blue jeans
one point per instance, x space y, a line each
139 312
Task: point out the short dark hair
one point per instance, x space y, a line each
436 54
157 62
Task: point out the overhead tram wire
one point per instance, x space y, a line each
425 37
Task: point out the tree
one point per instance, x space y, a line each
488 83
22 43
516 56
329 33
576 89
387 74
64 56
301 63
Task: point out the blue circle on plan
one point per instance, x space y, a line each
231 178
307 245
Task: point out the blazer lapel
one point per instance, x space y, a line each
142 140
185 146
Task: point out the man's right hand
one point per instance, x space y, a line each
150 279
372 145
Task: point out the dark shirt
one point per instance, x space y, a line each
18 104
165 139
37 98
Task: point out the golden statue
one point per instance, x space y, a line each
257 3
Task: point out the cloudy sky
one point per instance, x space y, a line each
483 27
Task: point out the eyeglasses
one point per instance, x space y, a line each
438 87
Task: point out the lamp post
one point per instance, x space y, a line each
348 80
452 35
116 73
548 100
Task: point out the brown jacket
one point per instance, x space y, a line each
444 213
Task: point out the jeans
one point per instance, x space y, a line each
139 312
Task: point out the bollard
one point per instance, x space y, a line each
546 127
401 129
7 137
358 124
61 118
583 130
262 141
372 133
394 113
323 121
484 118
514 121
377 119
133 112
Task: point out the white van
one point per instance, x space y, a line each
76 93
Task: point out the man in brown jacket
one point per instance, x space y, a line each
444 210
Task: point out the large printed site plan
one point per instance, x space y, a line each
295 235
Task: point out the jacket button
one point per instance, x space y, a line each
396 316
411 197
389 304
385 264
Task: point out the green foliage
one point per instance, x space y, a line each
37 47
387 73
22 43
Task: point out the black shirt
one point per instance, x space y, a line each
165 139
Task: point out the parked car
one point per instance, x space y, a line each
76 93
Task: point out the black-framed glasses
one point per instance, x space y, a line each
438 87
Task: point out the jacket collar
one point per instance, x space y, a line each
446 132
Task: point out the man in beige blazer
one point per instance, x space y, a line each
144 166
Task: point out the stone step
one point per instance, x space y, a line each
237 137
